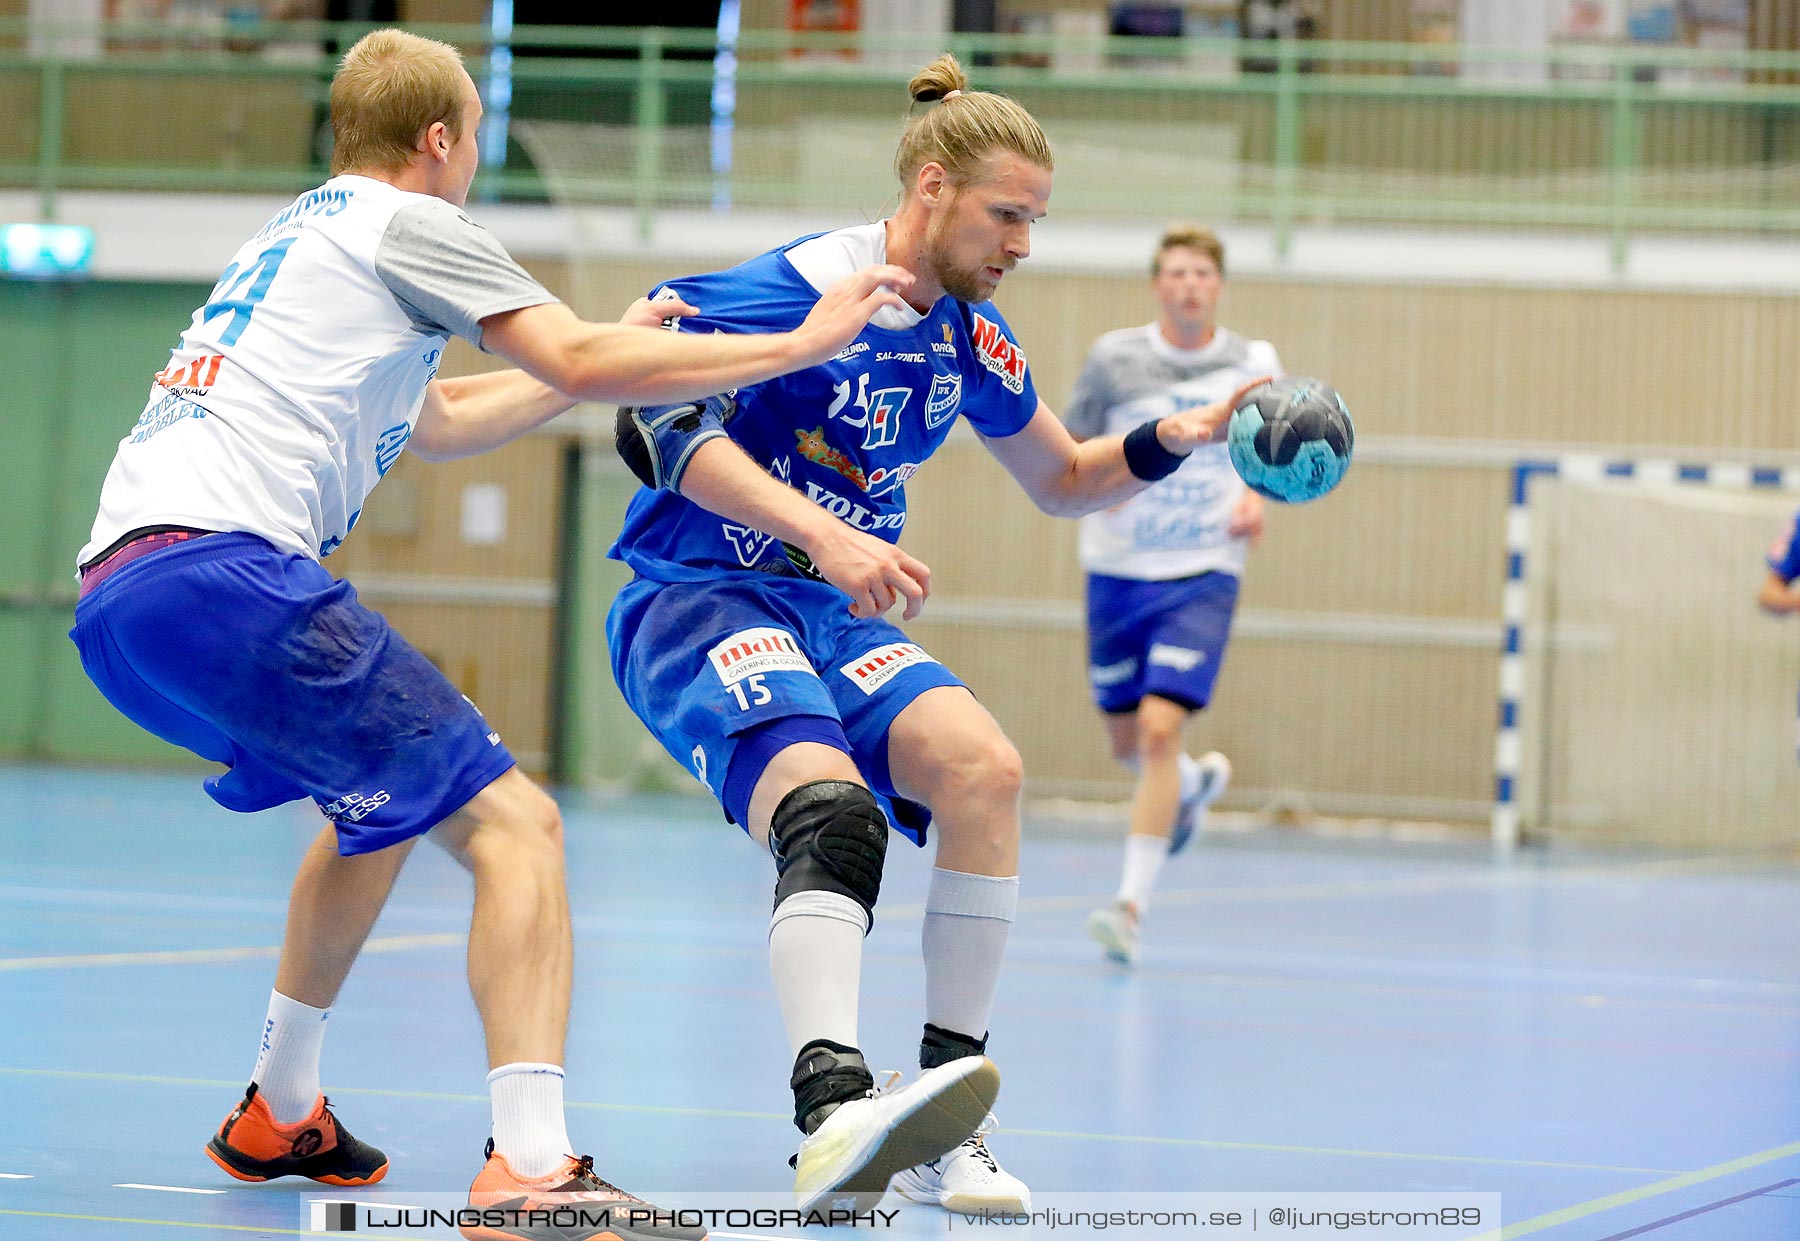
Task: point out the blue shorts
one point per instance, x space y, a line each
702 662
261 660
1162 638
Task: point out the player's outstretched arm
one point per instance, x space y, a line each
1069 479
1778 597
722 478
473 414
631 365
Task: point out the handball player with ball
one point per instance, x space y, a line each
1163 567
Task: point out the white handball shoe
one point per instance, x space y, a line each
1116 930
1215 774
968 1179
862 1144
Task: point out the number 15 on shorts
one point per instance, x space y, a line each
750 692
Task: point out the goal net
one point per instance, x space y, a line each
1661 709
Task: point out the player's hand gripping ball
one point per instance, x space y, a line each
1290 439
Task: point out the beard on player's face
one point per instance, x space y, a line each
965 279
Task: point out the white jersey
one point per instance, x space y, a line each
296 386
1180 527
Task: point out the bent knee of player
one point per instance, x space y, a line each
510 823
989 772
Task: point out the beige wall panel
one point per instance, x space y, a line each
984 539
412 524
1385 21
1367 721
19 99
250 122
473 12
499 656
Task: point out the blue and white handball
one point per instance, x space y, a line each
1290 439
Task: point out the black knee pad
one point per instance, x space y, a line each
829 836
941 1046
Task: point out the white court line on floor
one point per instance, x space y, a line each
1232 895
166 1189
1656 1188
16 1176
193 956
723 1113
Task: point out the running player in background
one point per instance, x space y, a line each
206 617
1778 595
1163 568
751 641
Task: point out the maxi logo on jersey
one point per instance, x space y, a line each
195 376
998 354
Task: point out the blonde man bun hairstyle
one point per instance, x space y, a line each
964 128
390 88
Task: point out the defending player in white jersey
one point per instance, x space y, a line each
751 641
206 617
1163 568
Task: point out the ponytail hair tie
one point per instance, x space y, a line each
949 95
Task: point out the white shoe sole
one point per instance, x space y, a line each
1105 932
952 1100
971 1204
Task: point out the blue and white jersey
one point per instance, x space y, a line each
1181 526
1784 552
848 433
296 386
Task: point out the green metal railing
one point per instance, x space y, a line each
1616 139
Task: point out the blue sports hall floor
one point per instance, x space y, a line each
1610 1043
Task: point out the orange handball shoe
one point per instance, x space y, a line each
252 1147
571 1204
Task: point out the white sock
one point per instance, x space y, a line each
287 1067
1190 775
529 1130
815 958
967 919
1143 859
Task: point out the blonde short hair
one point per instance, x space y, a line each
961 132
390 88
1189 237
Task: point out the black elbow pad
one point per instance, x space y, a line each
656 441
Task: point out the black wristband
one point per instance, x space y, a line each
1146 457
